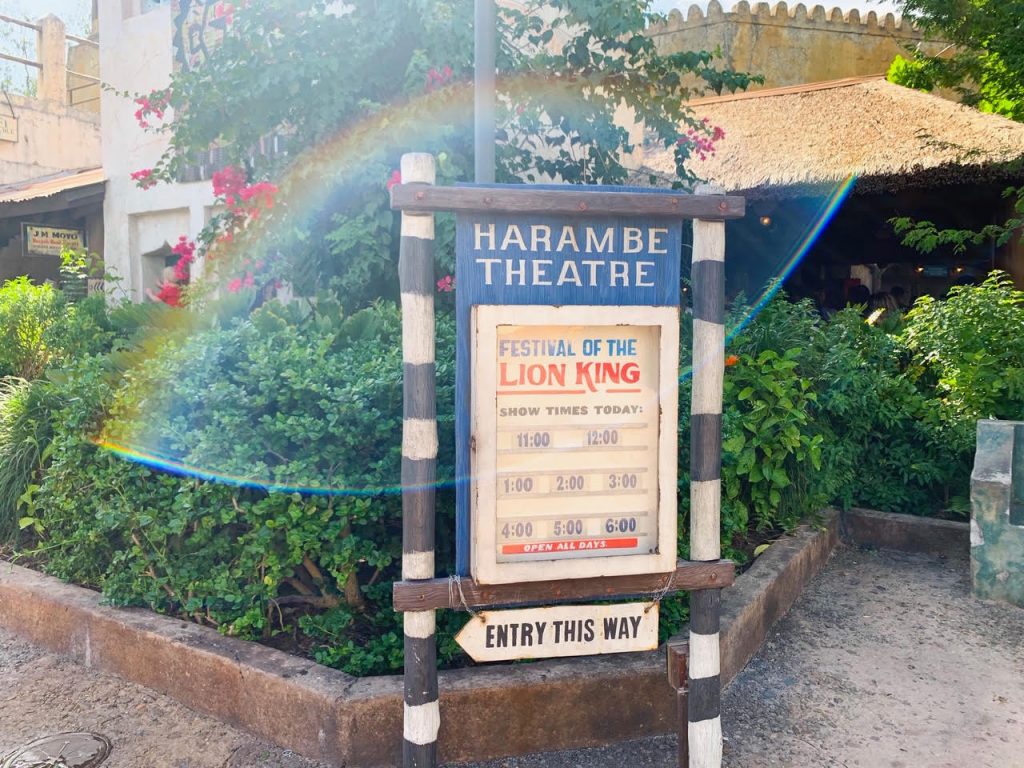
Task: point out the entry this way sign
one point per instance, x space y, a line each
568 630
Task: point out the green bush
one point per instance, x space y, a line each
265 490
262 496
25 430
27 312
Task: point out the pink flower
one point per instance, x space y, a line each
446 284
235 285
396 178
144 179
228 180
169 294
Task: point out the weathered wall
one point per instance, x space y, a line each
135 56
790 46
52 137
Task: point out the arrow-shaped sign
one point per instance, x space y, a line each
565 630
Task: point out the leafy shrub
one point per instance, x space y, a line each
970 348
27 311
25 409
264 498
876 417
283 432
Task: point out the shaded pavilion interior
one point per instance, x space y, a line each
825 167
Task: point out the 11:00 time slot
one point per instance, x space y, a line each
574 437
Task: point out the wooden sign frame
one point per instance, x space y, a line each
484 472
420 593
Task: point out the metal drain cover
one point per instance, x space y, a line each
65 750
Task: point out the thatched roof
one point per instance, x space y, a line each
779 140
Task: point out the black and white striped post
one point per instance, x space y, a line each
708 284
421 715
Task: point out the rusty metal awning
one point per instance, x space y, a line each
55 192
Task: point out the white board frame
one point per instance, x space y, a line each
483 490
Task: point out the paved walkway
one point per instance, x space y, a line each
886 661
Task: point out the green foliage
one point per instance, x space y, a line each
970 347
350 92
27 311
263 495
983 60
768 433
875 417
986 65
282 431
40 327
24 436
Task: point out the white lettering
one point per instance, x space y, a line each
593 270
641 274
563 277
511 272
605 243
487 268
539 271
568 236
513 234
654 234
540 233
632 240
480 234
619 271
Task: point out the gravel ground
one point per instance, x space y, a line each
42 694
886 661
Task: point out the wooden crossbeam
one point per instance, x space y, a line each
420 198
430 594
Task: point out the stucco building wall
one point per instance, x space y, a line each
136 56
52 138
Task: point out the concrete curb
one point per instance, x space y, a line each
906 533
487 712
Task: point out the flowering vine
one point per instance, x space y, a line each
152 106
438 78
702 145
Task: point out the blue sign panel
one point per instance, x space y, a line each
529 259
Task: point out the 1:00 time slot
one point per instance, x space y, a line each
568 528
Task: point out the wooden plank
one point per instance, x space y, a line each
573 201
429 594
559 631
676 654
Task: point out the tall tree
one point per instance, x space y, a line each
984 63
352 86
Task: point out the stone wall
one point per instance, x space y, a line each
791 46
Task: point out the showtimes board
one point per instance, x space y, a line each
575 441
566 394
